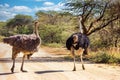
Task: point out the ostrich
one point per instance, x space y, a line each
78 41
27 44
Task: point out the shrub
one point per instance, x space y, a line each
50 34
100 57
1 37
104 57
68 57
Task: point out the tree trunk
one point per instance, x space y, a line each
116 42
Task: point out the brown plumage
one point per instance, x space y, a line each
27 44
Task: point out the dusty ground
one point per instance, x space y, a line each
45 66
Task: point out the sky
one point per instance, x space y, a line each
10 8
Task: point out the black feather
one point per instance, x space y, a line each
83 42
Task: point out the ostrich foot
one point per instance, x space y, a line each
28 56
12 70
23 70
83 67
74 69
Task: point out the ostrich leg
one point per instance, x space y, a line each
14 55
81 57
23 64
12 69
73 54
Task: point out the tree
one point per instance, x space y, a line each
50 30
96 14
19 20
54 26
112 36
20 23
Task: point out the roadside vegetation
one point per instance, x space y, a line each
101 23
106 56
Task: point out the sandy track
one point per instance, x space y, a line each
44 66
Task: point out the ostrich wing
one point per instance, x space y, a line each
23 42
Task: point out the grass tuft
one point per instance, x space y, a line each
108 56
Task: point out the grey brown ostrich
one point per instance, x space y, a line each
78 41
27 44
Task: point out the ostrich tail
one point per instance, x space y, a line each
8 40
85 52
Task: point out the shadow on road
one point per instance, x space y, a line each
35 59
7 73
48 71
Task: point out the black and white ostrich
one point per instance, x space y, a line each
27 44
78 41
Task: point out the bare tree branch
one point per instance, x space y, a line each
85 7
100 17
83 11
102 25
89 12
102 13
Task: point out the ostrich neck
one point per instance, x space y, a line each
36 31
80 26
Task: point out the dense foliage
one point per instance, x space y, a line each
100 22
20 24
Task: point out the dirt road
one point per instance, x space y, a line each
44 66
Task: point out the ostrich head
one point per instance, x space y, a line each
75 38
36 23
80 18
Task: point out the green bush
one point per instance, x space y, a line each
104 57
68 57
1 38
113 60
100 58
50 34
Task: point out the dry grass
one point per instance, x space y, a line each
56 51
111 55
114 51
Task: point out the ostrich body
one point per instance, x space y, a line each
27 44
80 42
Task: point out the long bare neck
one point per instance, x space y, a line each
80 24
36 29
